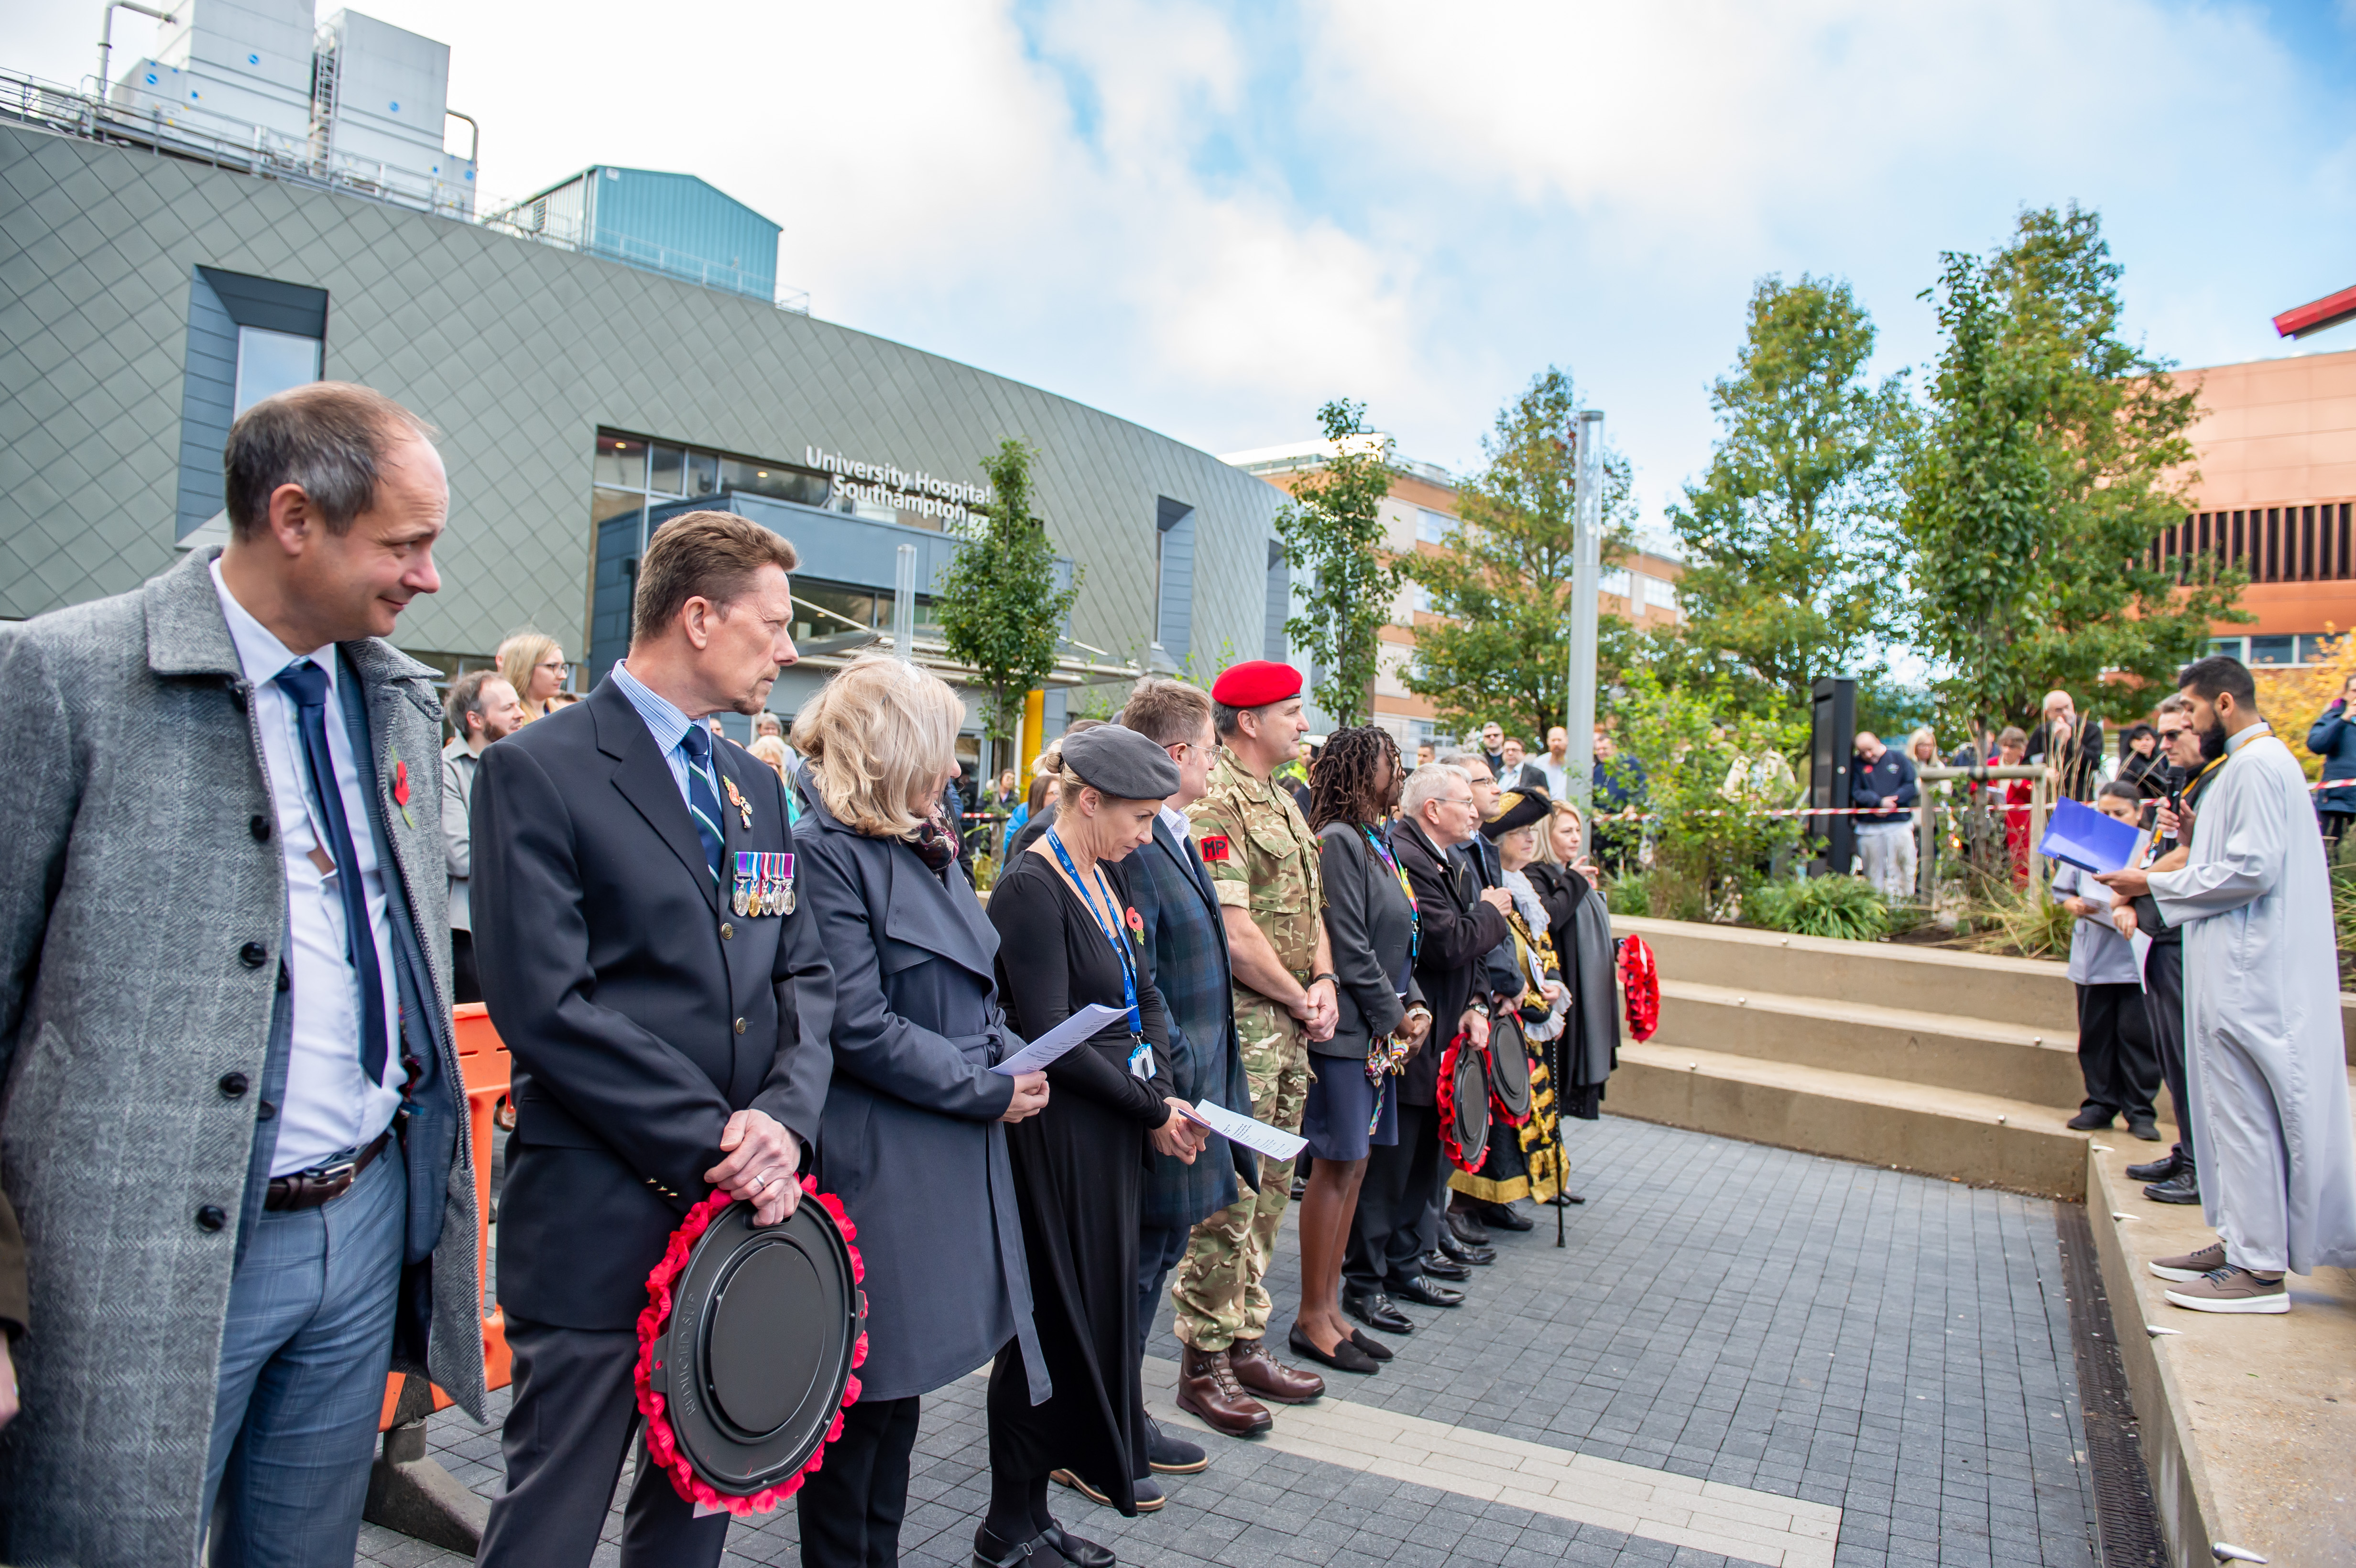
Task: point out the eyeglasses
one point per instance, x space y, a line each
1455 800
551 664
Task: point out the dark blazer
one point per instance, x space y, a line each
911 1141
1459 930
2333 738
1372 928
1172 896
1479 856
639 1011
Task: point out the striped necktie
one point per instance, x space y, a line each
703 796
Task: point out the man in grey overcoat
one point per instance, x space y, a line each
232 1113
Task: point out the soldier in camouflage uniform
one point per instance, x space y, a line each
1264 866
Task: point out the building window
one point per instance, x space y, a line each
249 338
1616 581
1660 593
1430 527
269 363
2273 651
1173 578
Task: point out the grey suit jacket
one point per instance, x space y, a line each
142 915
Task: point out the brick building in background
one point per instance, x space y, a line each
1417 517
2277 444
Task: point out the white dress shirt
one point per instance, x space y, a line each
328 1106
1181 827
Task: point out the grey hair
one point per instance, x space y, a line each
1425 784
330 438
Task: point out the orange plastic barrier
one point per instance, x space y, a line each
484 1062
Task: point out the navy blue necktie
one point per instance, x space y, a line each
703 797
306 683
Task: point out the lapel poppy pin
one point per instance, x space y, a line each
1136 924
401 788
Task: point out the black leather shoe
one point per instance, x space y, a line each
1505 1219
1172 1456
2157 1170
1370 1345
1430 1293
1346 1356
2184 1187
1376 1311
2093 1119
1437 1266
1479 1257
1468 1230
989 1552
1562 1199
1088 1554
2143 1129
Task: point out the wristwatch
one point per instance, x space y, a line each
1329 975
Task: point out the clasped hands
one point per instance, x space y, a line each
761 1159
1180 1137
1317 1010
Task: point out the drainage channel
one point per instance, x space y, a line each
2127 1523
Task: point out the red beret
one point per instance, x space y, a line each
1256 683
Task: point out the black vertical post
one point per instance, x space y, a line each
1832 752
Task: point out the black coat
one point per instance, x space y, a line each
1080 1166
1457 929
1371 927
912 1143
639 1012
1589 1047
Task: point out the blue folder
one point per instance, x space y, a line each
2087 839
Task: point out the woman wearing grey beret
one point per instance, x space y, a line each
1068 938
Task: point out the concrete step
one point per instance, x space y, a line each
1986 1139
1940 1050
2032 993
2247 1422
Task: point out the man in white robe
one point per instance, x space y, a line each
2267 1074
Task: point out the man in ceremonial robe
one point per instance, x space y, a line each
2267 1074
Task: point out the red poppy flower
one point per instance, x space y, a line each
1135 923
400 782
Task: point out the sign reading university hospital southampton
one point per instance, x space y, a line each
885 485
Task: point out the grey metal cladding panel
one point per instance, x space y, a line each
517 352
268 303
207 403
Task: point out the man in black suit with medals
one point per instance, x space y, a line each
667 1013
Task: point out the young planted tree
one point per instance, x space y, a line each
1332 530
999 608
1790 538
1502 578
2055 455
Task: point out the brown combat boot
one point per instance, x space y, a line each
1265 1376
1207 1390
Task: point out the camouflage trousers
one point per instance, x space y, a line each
1217 1290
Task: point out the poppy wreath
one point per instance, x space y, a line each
662 1445
1449 1144
1640 983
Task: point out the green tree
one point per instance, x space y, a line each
1333 529
1791 547
999 607
1705 767
1503 577
2055 454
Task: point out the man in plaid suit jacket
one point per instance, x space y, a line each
1173 895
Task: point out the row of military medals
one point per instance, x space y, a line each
765 885
764 882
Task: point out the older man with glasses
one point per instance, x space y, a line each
1396 1223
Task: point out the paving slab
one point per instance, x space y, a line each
1744 1354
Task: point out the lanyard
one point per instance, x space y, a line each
1414 916
1113 933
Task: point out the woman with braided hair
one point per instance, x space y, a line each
1352 1100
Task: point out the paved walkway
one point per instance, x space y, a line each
1744 1355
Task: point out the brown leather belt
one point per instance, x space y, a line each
324 1183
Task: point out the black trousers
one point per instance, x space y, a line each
851 1510
2116 1052
2163 998
1158 1252
464 984
1397 1207
571 1423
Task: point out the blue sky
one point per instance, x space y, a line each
1210 218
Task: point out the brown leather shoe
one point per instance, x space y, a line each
1265 1376
1207 1390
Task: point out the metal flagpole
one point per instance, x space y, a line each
1585 585
904 604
